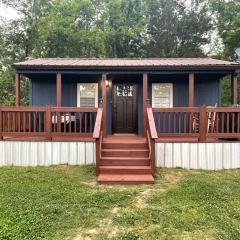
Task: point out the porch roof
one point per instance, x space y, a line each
152 64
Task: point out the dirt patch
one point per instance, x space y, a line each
92 183
104 227
65 168
141 198
173 177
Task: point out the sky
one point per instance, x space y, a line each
8 13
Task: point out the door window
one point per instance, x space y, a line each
124 90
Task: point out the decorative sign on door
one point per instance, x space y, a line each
124 90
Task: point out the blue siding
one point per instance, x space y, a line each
206 89
43 90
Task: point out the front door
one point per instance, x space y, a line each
124 108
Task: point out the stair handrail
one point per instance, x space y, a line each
98 124
151 123
151 136
97 135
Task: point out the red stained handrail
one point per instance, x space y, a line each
98 123
151 123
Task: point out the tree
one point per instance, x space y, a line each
228 24
124 23
176 29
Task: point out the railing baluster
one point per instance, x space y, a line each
24 121
228 123
185 122
70 122
238 122
90 115
75 122
85 121
80 115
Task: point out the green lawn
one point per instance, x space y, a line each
65 203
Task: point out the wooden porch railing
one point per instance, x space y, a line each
201 123
223 122
151 136
98 135
46 122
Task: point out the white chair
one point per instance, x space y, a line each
211 119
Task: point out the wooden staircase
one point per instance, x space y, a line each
125 160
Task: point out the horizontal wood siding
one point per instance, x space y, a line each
207 156
46 153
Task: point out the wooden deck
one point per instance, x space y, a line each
121 159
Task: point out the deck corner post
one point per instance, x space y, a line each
202 124
97 156
48 123
191 90
1 124
234 90
145 103
17 88
59 89
104 103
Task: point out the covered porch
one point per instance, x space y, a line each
199 121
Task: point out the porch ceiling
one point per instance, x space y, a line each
155 64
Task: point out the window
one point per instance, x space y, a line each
87 95
162 95
124 90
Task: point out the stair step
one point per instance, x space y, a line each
125 170
125 145
124 139
125 179
124 161
125 152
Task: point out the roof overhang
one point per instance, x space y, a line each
139 65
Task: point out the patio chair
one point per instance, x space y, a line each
211 119
211 116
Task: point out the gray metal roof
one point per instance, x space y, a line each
123 64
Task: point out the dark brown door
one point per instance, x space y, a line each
124 108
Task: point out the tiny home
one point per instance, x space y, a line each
126 115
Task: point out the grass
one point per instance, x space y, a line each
64 202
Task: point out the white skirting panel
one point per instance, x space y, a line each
46 153
208 156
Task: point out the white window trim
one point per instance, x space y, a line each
78 94
171 93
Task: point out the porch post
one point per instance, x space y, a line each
191 90
104 103
234 91
59 90
145 98
17 89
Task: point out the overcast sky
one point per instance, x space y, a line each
8 13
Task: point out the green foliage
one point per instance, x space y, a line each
112 28
50 203
177 30
63 202
228 27
228 24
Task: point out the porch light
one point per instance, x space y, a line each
107 83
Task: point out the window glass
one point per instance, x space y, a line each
162 95
87 95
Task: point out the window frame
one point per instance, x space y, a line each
78 94
170 96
